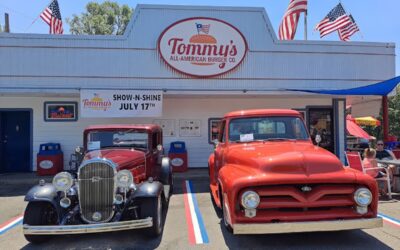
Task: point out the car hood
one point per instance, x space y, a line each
121 157
283 158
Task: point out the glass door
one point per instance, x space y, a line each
320 122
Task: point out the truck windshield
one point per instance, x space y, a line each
105 139
267 128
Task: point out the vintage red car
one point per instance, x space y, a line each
122 182
268 177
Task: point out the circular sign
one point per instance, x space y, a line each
177 162
202 46
46 164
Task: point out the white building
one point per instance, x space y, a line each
37 69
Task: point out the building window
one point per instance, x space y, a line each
213 129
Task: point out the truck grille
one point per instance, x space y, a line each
304 202
96 191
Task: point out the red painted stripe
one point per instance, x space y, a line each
10 220
192 239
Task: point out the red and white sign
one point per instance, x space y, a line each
202 46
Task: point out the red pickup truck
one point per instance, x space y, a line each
268 177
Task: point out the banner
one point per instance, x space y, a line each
121 103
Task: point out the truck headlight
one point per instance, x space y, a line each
363 197
250 200
63 181
124 179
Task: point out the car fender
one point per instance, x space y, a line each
46 192
166 176
148 189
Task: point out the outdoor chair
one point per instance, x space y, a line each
354 161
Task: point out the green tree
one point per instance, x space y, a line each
107 18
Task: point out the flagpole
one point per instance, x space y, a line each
305 25
38 16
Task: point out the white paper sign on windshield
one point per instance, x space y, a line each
246 137
93 145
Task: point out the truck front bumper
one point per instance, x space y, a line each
87 228
309 226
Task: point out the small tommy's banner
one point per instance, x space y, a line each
202 46
121 103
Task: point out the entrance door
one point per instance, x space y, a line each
320 122
14 141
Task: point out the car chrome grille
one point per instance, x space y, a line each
304 201
96 191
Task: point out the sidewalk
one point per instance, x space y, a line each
29 179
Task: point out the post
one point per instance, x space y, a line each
385 116
7 23
305 25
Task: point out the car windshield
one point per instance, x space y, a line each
267 128
119 138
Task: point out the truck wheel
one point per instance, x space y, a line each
152 207
38 214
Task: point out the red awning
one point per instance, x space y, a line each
355 130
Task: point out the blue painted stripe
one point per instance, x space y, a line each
11 227
388 217
203 231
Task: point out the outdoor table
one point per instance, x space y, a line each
396 174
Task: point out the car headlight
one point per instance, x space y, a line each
124 179
63 181
250 200
363 197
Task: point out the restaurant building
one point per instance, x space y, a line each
183 67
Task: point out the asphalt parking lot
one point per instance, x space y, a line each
177 233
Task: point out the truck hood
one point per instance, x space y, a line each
121 157
297 158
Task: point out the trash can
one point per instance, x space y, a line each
50 159
178 155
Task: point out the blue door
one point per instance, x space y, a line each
15 141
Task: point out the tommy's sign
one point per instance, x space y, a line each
121 103
202 47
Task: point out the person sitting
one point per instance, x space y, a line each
382 153
371 166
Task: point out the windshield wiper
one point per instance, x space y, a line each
280 139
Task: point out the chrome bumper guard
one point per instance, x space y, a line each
311 226
87 228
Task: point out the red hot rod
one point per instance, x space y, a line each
122 182
268 177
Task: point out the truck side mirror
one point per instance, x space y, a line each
318 139
215 142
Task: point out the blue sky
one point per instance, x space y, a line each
377 19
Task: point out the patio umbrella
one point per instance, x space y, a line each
367 121
355 130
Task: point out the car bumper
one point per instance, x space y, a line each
311 226
87 228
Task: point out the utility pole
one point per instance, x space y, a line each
7 23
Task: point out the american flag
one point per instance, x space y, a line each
288 26
346 32
51 15
336 19
205 28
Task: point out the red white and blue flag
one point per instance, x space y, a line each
346 32
335 20
205 28
52 16
288 26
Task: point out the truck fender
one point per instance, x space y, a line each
44 193
148 189
166 176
